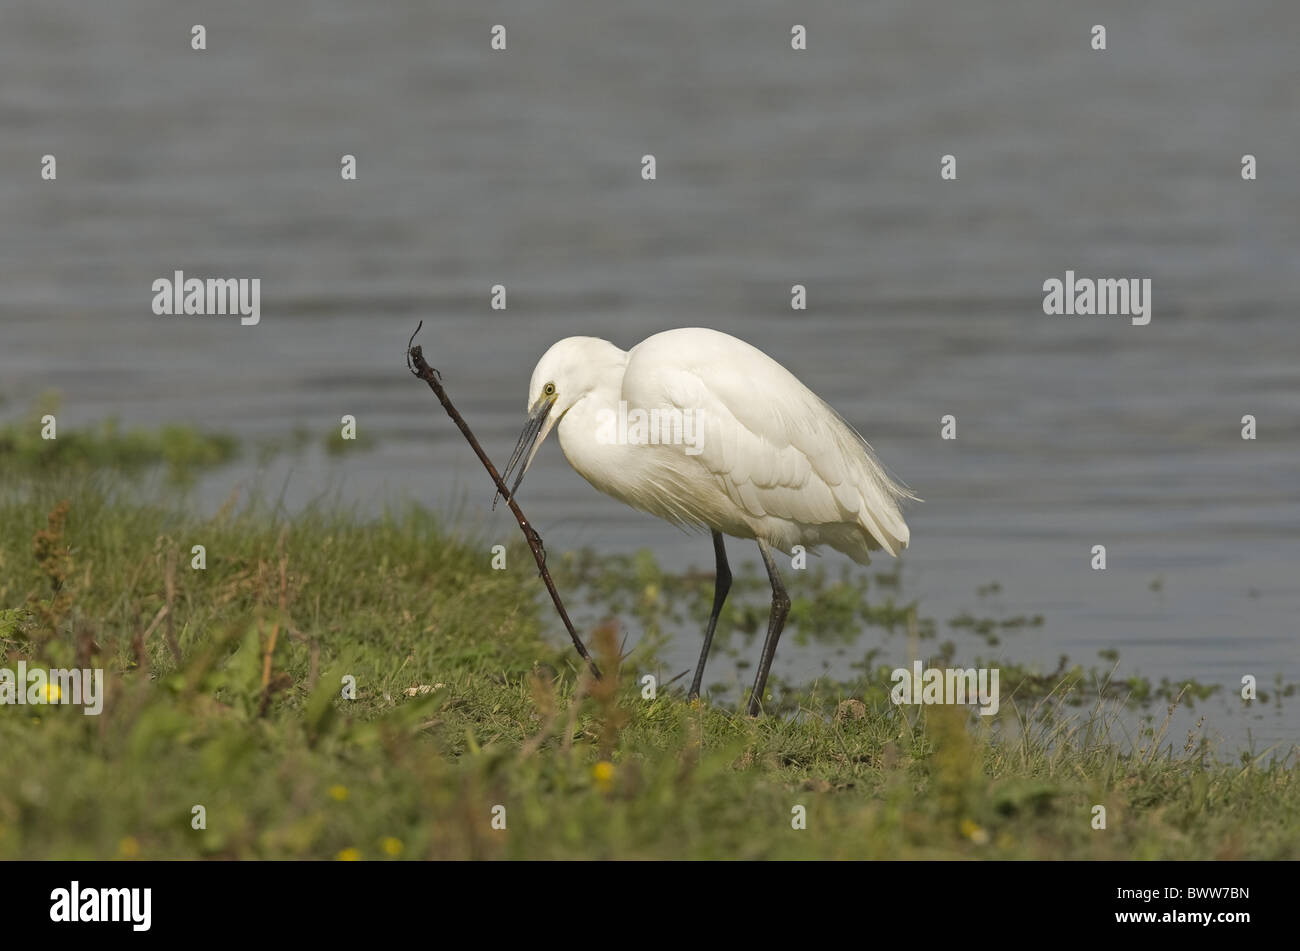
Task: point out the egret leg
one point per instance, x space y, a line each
780 608
721 586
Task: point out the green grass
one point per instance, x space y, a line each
223 691
39 445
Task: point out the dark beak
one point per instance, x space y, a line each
530 440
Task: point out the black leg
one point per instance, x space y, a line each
780 608
720 588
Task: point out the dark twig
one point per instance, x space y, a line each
416 363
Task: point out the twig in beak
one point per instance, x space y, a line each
415 362
522 453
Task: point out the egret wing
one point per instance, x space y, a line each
775 448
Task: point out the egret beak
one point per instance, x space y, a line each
530 440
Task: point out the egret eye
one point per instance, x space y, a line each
549 389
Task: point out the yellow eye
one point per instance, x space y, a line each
549 389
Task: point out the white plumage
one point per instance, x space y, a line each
771 461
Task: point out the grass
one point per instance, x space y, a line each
224 704
36 445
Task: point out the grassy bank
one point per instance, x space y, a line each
223 691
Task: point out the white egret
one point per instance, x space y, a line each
708 432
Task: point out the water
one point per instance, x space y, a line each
775 167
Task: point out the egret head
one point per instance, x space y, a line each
565 374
